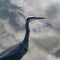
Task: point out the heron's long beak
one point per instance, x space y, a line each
36 18
42 19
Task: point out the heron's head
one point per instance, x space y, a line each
30 18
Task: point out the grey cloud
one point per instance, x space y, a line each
53 14
57 53
11 12
44 27
47 24
53 11
47 44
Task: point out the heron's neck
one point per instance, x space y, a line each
26 38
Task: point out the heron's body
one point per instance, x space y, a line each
17 51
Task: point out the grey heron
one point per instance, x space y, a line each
17 51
